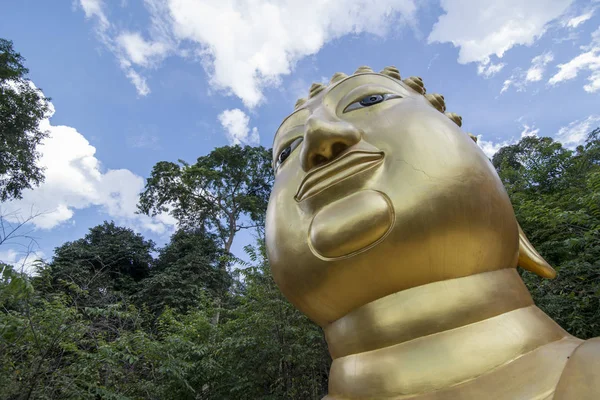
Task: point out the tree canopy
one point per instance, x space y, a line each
186 273
22 108
223 192
110 259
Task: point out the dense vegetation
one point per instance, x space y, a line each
112 316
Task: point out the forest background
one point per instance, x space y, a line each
112 316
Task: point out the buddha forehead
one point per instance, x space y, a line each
331 97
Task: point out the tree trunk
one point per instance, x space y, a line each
223 267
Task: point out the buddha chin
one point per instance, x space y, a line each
389 227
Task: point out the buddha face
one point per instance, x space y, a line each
375 192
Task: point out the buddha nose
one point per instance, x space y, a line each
324 140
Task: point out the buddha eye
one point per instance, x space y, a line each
286 152
370 100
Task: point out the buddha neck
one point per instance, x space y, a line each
436 335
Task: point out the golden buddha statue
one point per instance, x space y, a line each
389 227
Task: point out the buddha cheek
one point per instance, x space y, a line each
351 225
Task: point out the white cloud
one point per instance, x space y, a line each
520 79
595 38
594 84
22 261
94 8
507 84
435 57
139 51
482 28
138 81
490 147
489 69
247 45
128 47
538 66
571 36
576 132
75 180
235 122
570 136
529 131
574 22
589 61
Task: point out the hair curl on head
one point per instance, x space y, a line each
363 70
338 76
437 101
457 119
416 84
392 72
299 103
315 89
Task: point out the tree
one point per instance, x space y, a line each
185 273
22 108
109 261
534 163
223 192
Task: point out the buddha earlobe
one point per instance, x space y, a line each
531 260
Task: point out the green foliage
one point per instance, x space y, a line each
271 350
22 108
12 286
186 274
556 197
215 193
35 334
52 349
104 265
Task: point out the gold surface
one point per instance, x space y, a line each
390 228
581 373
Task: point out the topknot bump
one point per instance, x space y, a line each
457 119
392 72
338 76
299 103
436 100
416 84
315 89
363 69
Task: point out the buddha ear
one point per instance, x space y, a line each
531 260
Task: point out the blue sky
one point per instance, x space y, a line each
137 82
